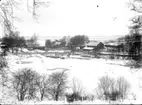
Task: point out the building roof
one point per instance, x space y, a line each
93 43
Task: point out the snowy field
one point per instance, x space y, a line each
86 71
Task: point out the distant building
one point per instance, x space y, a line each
93 46
114 47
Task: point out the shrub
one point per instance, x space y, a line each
123 87
111 89
73 97
69 97
77 91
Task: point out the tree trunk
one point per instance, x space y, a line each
22 97
42 94
56 97
12 50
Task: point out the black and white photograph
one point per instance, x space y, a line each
62 52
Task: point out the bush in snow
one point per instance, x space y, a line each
123 87
77 92
77 89
69 97
111 89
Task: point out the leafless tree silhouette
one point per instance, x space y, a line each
6 14
35 6
77 89
58 81
111 89
135 5
135 31
43 85
25 83
123 87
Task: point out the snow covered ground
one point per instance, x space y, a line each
86 71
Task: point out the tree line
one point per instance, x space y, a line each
27 84
14 42
69 42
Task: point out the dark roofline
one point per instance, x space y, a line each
95 43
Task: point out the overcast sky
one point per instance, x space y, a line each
98 18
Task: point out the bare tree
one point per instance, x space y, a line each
135 32
64 41
105 86
6 14
33 41
7 10
35 6
123 87
43 85
24 83
135 5
111 89
57 86
77 89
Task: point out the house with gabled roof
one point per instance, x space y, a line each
93 45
